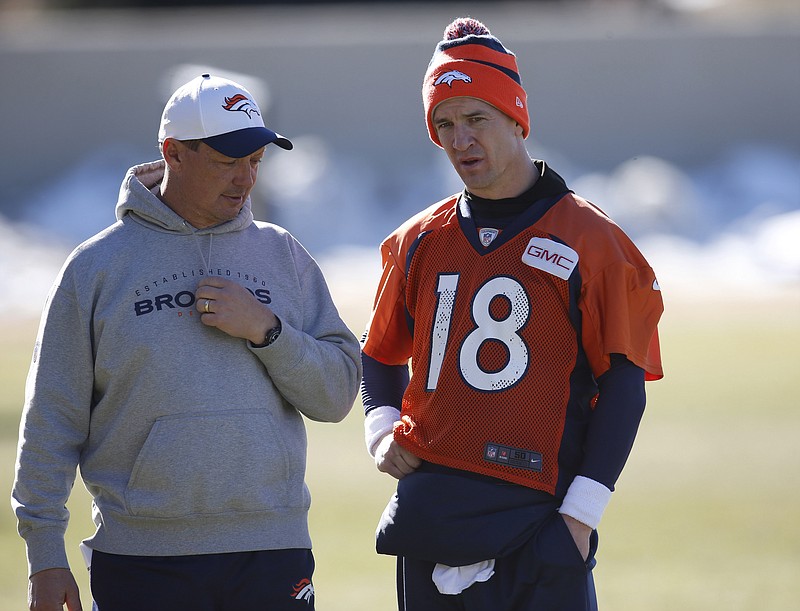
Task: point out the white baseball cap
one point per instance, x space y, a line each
219 112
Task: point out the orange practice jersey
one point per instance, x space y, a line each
506 340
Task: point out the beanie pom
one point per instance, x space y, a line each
464 26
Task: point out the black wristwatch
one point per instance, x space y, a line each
272 334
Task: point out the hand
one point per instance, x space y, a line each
394 459
580 533
233 309
51 589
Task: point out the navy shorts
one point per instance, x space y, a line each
546 574
273 580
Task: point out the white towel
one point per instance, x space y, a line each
86 552
456 579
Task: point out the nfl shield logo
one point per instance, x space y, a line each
487 235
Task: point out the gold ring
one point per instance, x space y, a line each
206 306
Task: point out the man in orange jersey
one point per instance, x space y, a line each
529 320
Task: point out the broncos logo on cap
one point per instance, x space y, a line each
241 103
452 75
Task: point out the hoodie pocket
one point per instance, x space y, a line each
220 462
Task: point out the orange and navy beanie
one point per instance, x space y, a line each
470 62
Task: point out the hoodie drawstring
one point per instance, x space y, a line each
206 262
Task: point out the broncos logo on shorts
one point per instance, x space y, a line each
303 590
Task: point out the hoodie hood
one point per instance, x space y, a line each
138 197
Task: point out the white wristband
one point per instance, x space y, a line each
585 501
378 423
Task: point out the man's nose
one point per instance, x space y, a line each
462 137
245 173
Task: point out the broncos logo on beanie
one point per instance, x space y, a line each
452 75
470 62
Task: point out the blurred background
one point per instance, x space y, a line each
677 117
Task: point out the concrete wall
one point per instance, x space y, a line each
604 83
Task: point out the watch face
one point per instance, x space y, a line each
272 335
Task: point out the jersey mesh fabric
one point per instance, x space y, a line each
435 263
510 350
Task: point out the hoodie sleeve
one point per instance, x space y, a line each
53 429
316 366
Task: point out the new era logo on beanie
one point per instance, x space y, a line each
470 62
219 112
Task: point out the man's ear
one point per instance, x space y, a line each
173 152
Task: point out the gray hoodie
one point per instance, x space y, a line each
189 440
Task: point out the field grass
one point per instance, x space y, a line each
705 516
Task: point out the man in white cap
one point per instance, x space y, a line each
178 352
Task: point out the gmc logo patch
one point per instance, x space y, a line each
551 257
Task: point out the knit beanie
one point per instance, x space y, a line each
470 62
